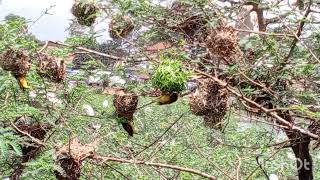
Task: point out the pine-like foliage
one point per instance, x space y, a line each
9 143
43 167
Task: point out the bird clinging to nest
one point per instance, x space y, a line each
128 126
18 63
126 105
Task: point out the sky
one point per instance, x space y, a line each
49 27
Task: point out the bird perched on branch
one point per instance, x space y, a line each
168 98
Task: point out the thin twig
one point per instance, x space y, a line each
44 47
272 155
299 32
267 90
238 168
121 160
154 142
46 12
88 50
265 33
213 164
116 170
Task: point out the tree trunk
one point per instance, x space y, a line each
299 143
301 151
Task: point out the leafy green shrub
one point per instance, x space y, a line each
13 33
83 40
9 143
43 167
170 76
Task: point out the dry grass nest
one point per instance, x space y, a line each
71 155
16 61
120 26
36 130
125 104
223 41
85 12
51 67
189 21
209 100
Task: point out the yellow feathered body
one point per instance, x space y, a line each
23 83
168 98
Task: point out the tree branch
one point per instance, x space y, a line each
87 50
175 122
27 134
169 166
299 31
265 33
263 109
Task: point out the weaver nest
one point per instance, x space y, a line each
223 41
70 157
51 67
16 61
120 26
188 20
125 104
85 12
209 100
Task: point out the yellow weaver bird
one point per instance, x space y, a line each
22 81
168 98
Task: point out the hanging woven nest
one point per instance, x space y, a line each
125 105
120 27
70 157
51 67
24 127
223 41
209 100
85 12
188 21
16 61
38 131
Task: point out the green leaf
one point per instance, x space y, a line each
4 149
16 147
